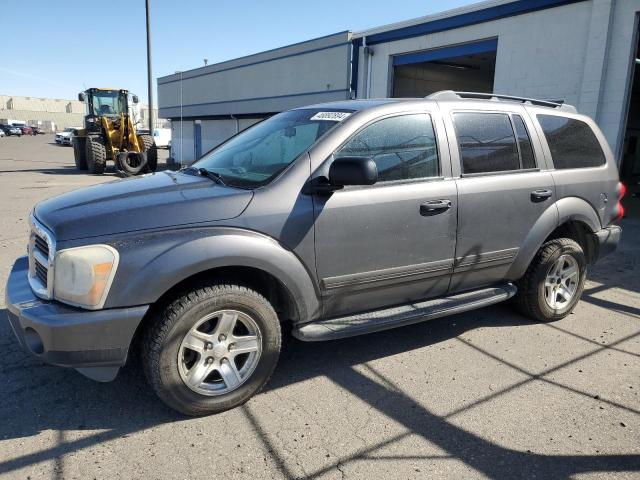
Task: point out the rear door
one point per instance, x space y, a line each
504 187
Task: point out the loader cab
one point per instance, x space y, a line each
109 103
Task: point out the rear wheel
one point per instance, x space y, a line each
96 155
554 281
212 348
151 150
80 152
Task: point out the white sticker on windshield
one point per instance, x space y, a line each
330 116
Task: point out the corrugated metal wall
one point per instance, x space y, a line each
301 74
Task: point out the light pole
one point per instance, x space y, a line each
181 122
149 74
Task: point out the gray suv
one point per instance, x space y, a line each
329 221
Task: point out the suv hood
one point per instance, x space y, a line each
153 201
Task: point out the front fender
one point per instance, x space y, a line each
564 210
152 263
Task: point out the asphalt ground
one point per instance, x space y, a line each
485 394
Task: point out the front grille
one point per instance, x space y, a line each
41 245
42 273
41 254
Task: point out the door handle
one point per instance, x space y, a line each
433 207
541 194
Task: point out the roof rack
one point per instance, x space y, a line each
451 95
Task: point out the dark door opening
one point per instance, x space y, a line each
468 68
630 165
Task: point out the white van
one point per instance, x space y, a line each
162 137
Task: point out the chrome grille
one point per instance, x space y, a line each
42 272
41 254
41 245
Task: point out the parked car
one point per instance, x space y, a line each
37 130
65 137
162 137
11 130
26 130
335 220
2 134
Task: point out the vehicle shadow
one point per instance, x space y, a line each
617 271
125 406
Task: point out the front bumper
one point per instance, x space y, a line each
68 336
606 240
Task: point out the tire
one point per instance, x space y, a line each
96 155
124 164
166 360
80 152
536 298
151 150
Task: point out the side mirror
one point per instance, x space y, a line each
353 171
134 98
81 96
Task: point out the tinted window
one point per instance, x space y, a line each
526 151
572 142
403 147
487 142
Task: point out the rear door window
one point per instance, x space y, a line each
572 142
487 142
524 143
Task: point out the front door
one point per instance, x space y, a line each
393 242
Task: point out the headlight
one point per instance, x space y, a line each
83 275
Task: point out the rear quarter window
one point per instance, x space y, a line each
572 142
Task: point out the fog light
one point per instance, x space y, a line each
33 341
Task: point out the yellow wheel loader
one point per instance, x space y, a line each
109 133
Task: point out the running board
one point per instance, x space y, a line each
361 323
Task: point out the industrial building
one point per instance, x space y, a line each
52 114
583 52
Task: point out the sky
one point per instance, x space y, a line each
57 49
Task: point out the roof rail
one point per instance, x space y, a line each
451 95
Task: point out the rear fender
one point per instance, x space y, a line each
562 211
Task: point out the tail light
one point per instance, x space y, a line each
622 190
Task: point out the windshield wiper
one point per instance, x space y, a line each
215 176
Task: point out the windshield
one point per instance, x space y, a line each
108 103
256 156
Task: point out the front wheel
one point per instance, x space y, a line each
553 283
212 348
96 154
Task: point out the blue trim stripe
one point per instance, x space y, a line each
258 98
446 52
471 18
213 72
